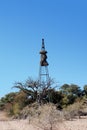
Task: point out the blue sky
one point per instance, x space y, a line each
62 24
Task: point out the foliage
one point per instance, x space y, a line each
71 89
9 98
14 102
7 101
85 90
63 97
70 94
22 99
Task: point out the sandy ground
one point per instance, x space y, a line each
78 124
8 124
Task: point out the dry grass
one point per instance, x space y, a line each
73 111
45 117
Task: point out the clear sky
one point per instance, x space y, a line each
62 24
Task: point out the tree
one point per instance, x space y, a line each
75 90
34 89
9 98
6 102
71 89
65 88
85 90
70 93
55 96
29 87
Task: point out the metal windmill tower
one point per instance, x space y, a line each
43 70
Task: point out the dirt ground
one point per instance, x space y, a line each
8 124
77 124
